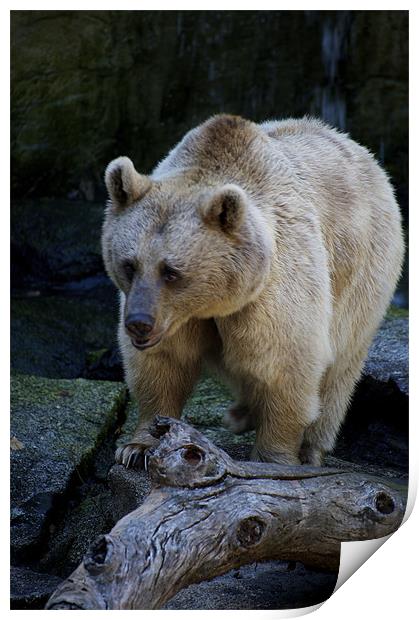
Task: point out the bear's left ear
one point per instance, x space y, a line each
226 208
124 184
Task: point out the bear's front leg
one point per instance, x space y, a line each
160 382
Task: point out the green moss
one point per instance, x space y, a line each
92 357
225 439
60 425
205 408
77 394
207 404
66 418
131 420
83 523
394 312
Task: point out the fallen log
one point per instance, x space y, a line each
207 514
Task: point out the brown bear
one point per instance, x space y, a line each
268 252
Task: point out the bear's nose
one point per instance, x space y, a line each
139 324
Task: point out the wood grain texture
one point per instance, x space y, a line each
207 514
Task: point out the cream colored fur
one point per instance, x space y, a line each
283 285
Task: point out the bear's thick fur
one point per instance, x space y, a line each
267 252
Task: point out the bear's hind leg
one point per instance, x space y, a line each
283 416
336 390
239 419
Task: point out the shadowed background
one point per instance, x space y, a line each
89 85
86 87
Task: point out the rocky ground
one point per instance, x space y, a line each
70 410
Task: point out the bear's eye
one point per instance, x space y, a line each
169 274
129 270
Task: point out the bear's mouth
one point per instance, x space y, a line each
146 344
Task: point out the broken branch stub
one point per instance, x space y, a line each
207 514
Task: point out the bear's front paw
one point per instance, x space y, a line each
239 419
132 453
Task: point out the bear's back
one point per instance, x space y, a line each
303 158
310 143
326 164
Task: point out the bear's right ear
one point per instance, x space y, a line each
226 209
124 184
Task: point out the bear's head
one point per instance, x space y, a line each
179 249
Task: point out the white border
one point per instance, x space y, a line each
386 586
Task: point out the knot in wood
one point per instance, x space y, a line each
384 503
159 427
193 455
98 555
250 531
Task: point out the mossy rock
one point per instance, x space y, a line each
388 357
70 539
394 312
56 428
30 589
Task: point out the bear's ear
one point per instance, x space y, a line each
124 184
226 208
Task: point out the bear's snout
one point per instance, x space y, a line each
139 325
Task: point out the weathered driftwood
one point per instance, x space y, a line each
207 514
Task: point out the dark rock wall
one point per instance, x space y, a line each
90 85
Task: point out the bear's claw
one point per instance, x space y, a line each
131 455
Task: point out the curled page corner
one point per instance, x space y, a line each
354 554
411 495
